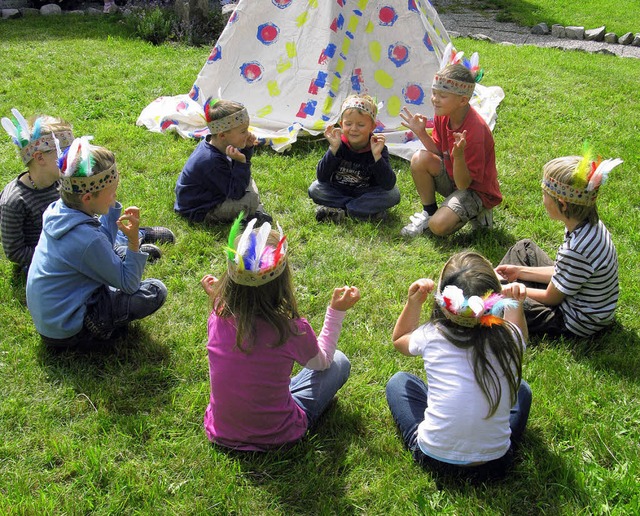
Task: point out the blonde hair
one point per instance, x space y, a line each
563 170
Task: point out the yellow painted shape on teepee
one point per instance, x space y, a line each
302 19
328 104
273 88
352 24
318 125
340 66
393 105
335 84
362 4
283 66
375 51
267 110
291 49
370 27
346 45
383 79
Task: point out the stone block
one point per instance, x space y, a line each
541 29
595 34
8 14
557 31
626 39
636 40
574 32
30 11
13 4
50 10
611 37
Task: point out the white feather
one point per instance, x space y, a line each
71 157
10 128
244 240
475 60
280 231
26 134
602 172
85 153
57 142
446 55
261 242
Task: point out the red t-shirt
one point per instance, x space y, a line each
479 154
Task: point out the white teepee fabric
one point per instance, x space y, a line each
292 63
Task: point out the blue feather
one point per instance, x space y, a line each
250 256
499 307
37 129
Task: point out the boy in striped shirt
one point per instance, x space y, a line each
576 295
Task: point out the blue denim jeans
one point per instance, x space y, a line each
407 400
109 309
314 390
361 203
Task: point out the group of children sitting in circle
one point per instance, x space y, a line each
85 255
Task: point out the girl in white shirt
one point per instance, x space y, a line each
476 403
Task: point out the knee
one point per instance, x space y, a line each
395 383
159 289
314 190
439 227
425 162
342 364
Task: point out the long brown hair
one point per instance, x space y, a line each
273 302
474 274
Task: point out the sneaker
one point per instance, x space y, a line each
153 251
260 216
484 220
330 214
418 225
158 235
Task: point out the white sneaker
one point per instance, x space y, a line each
418 225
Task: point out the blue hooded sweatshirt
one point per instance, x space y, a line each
74 257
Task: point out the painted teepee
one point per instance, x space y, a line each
292 62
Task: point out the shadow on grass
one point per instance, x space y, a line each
127 376
307 477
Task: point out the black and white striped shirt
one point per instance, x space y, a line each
21 210
586 272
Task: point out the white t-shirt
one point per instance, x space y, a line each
455 428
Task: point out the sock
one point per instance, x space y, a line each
430 208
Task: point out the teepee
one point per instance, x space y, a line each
292 63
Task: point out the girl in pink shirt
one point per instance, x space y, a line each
256 335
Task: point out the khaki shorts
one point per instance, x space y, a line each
231 208
466 204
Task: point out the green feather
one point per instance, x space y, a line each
233 233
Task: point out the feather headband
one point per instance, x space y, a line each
367 105
251 261
76 166
485 311
452 57
586 179
237 119
31 141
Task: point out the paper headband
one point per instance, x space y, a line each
451 57
362 104
587 178
237 119
30 142
253 262
485 311
76 165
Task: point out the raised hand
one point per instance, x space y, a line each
417 123
333 135
419 290
235 154
344 298
377 145
129 223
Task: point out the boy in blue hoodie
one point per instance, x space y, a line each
78 289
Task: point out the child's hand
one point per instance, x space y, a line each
459 144
129 223
251 140
207 283
235 154
417 123
344 298
419 290
517 291
508 272
377 145
333 135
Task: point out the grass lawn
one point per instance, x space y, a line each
120 431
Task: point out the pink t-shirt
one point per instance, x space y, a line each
479 154
251 407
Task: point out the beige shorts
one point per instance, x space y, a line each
466 204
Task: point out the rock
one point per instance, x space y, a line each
77 12
92 11
595 34
626 39
482 37
610 37
453 34
573 32
50 9
541 29
13 4
30 11
605 51
8 14
557 31
636 40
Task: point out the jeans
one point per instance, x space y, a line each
314 390
361 203
407 400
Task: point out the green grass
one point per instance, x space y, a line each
618 16
120 431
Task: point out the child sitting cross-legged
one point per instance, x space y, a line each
256 336
575 295
79 290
